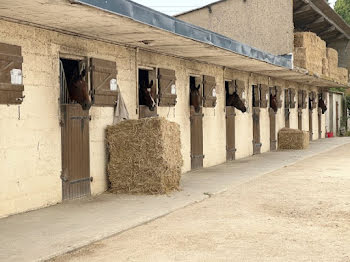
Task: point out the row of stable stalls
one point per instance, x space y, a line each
248 97
109 61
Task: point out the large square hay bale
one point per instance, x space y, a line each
332 56
144 156
293 139
309 52
343 75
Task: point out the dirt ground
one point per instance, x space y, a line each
298 213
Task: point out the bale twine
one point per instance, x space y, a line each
292 139
144 156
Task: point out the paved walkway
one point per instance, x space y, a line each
45 233
297 213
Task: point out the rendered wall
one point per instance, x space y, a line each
30 147
264 24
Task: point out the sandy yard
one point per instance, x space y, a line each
298 213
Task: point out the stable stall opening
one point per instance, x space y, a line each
74 87
147 93
230 123
75 104
227 89
196 119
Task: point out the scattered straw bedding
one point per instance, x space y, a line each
292 139
144 156
311 53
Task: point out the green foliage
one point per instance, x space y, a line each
347 102
342 7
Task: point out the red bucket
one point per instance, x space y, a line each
329 134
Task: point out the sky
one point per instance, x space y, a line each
174 7
179 6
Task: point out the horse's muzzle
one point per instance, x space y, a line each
86 105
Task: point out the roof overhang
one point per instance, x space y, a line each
318 17
130 24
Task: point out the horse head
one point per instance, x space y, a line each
273 102
322 105
146 95
195 97
78 89
311 100
236 101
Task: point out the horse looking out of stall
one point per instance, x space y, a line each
322 105
311 100
236 101
146 95
195 97
78 89
273 102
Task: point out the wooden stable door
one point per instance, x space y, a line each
300 118
287 117
310 125
256 131
337 118
230 133
319 123
75 152
196 139
273 139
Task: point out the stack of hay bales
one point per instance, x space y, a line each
309 52
144 156
338 74
292 139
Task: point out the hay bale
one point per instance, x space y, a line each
309 52
144 156
343 75
292 139
309 40
332 56
325 67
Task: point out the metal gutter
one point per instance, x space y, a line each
150 17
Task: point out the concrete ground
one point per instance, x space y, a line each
45 233
297 213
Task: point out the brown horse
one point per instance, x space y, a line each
146 95
236 101
195 97
322 105
78 89
311 100
273 102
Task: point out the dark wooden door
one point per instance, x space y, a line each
75 152
256 131
319 123
337 118
310 125
273 139
300 118
286 117
230 133
286 107
196 139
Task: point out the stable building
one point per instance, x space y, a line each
51 149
